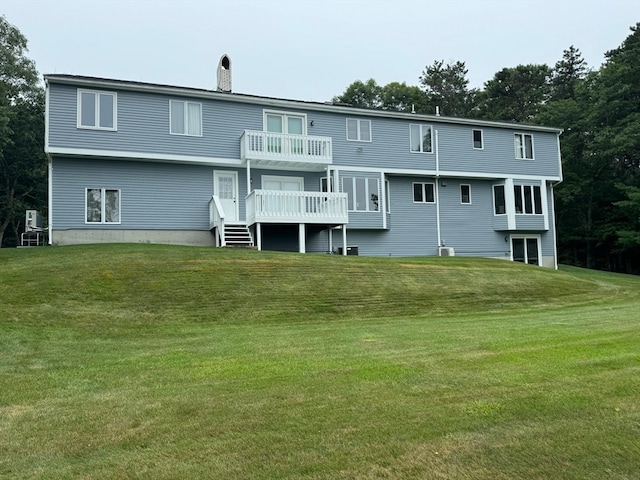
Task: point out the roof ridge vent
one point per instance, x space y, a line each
224 74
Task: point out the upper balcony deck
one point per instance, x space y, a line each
281 150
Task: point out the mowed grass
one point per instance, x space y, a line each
148 361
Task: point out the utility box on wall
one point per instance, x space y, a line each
33 221
351 250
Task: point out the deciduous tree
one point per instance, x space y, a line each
22 160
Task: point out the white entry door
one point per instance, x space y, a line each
225 186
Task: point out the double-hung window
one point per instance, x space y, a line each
363 193
186 118
465 194
524 146
421 136
424 193
358 130
528 199
97 110
477 139
102 205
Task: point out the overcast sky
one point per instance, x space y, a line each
310 49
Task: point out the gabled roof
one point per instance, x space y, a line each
97 82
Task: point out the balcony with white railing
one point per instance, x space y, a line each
277 206
273 150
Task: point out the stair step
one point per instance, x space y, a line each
237 236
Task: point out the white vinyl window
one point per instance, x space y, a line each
477 139
528 199
424 193
524 146
499 200
358 130
363 193
97 110
186 118
102 205
421 136
465 194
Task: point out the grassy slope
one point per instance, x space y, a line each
152 361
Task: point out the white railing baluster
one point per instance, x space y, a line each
296 207
257 145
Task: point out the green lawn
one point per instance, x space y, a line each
148 361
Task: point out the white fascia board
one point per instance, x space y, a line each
152 157
444 173
284 103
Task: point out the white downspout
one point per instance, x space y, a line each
49 167
50 199
383 197
437 191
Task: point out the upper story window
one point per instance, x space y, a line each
97 110
186 118
363 193
477 139
524 145
528 199
291 123
102 205
421 138
424 193
358 130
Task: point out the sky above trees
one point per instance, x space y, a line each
310 50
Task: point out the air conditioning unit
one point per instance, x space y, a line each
33 221
446 252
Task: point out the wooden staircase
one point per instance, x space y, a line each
237 236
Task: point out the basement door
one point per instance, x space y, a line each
225 186
525 250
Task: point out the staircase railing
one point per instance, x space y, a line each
216 220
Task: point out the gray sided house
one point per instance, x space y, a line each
139 162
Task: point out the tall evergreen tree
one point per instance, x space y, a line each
516 94
447 87
567 73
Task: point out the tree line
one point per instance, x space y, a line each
598 202
597 205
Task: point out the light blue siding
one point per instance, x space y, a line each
172 196
143 126
153 196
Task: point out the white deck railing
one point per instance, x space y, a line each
275 206
256 145
216 220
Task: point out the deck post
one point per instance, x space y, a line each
344 239
330 234
258 236
301 237
248 176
